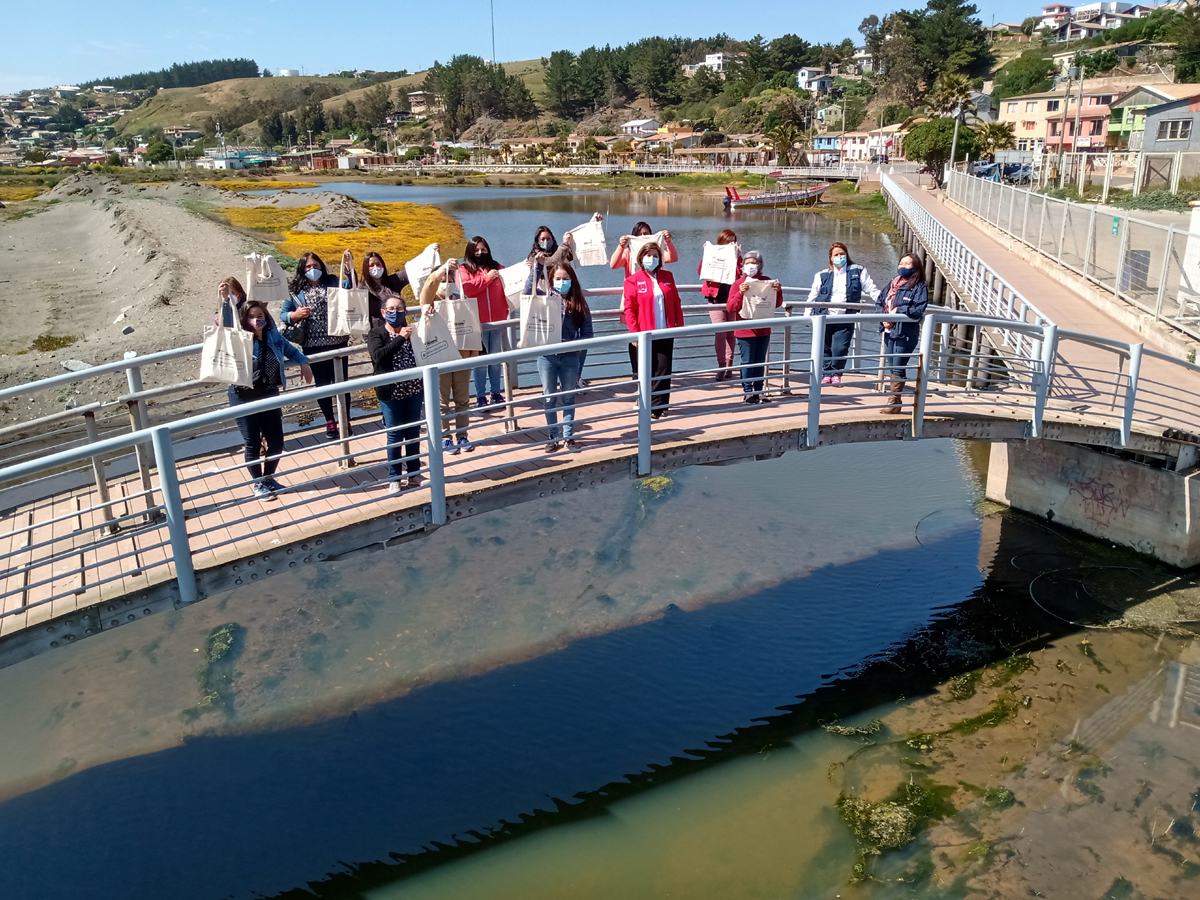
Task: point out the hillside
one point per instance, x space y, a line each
184 106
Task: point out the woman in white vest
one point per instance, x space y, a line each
843 282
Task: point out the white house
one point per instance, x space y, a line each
863 61
639 127
812 78
104 89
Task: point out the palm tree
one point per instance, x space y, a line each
784 137
993 136
951 96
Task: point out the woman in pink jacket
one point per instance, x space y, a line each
752 342
652 303
480 275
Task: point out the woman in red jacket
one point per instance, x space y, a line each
652 303
752 342
717 295
480 276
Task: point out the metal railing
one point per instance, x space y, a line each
835 172
64 550
992 295
1153 266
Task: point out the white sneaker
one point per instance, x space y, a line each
394 487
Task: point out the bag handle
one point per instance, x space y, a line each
342 271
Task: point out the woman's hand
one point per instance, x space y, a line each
667 237
223 292
306 373
596 217
491 276
406 332
347 259
302 312
742 288
430 310
776 286
623 243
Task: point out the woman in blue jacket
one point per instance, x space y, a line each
271 354
560 371
309 303
907 295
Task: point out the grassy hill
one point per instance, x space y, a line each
183 106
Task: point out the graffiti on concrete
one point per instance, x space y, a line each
1102 500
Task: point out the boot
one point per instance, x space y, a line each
893 401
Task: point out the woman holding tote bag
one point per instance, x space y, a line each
480 279
717 296
380 284
752 342
455 387
271 355
390 346
560 371
652 303
308 306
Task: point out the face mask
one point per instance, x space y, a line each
839 261
313 274
750 269
562 286
376 272
258 324
650 263
393 316
545 245
905 272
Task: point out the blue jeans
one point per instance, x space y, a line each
899 349
559 373
837 345
404 416
494 341
753 351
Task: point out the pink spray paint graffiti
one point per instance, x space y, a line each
1102 500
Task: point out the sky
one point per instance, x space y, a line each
100 41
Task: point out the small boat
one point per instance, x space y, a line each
787 197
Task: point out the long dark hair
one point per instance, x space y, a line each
244 316
838 245
476 260
300 280
372 285
553 240
574 303
637 229
918 275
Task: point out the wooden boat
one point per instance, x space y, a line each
787 197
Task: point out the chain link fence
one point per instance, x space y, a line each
1155 267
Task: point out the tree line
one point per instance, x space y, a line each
192 74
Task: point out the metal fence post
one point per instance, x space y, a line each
815 373
787 352
1122 244
928 324
1042 222
645 364
1087 250
1135 368
1062 231
89 422
1107 178
139 421
1048 350
1166 271
436 457
168 485
1025 215
342 407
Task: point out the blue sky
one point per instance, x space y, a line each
92 40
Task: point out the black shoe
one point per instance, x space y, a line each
331 430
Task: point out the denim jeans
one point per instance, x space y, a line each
402 418
837 345
494 341
753 351
899 350
559 373
258 428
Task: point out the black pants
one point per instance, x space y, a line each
323 374
837 345
264 426
633 359
661 353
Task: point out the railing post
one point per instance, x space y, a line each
168 485
1062 231
138 421
928 324
1135 368
1107 178
1122 244
1025 215
435 455
89 422
342 407
787 353
1166 271
1087 250
1048 350
645 364
1042 222
817 355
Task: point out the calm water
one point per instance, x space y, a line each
611 695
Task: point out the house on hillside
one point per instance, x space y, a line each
423 103
640 127
1173 126
718 63
1044 121
813 78
1054 15
104 89
180 136
1127 124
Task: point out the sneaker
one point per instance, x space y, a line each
464 445
836 379
395 487
415 481
497 399
553 447
448 447
580 384
262 492
750 398
273 486
481 401
828 379
572 446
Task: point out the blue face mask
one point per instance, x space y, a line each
545 245
839 261
313 274
650 263
393 316
562 286
258 324
905 272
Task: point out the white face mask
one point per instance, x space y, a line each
750 269
376 271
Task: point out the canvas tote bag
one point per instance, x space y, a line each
590 249
227 356
719 264
462 316
266 281
541 318
759 300
432 342
513 278
349 307
421 267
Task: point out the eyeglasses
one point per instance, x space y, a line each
393 309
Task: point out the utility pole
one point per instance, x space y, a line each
1062 126
492 6
1078 110
843 148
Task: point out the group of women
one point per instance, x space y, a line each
649 301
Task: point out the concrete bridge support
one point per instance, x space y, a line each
1121 500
